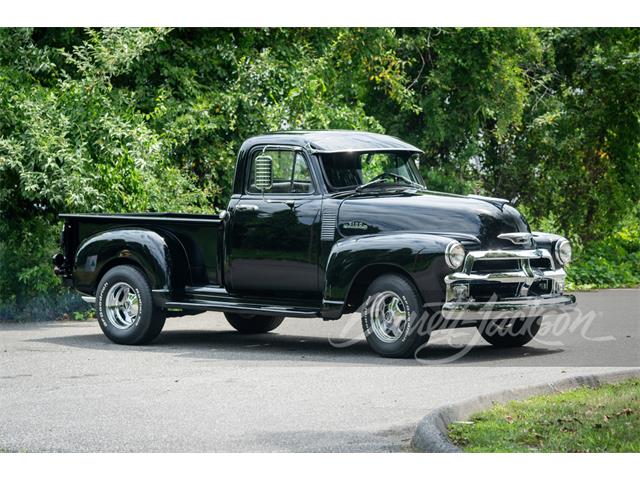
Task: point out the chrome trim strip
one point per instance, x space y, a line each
505 255
140 218
328 223
333 302
407 148
89 299
522 307
222 306
506 277
517 238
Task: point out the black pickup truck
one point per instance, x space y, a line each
321 224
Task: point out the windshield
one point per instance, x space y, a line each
348 170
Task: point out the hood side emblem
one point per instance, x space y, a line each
517 238
355 225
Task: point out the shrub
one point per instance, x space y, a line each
612 262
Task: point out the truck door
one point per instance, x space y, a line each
273 243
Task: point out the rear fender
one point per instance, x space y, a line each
156 254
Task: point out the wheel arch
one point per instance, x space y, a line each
365 277
117 262
150 251
354 262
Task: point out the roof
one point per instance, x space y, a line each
332 141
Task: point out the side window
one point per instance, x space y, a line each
290 173
301 177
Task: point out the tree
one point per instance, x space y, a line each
69 141
151 119
582 135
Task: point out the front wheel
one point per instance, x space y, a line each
125 309
509 332
391 317
253 323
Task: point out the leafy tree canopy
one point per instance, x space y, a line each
151 119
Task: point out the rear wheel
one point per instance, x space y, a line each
391 317
253 323
125 309
509 332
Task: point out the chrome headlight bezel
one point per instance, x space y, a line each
562 251
454 255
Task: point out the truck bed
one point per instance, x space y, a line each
199 235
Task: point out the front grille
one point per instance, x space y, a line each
489 266
541 263
499 275
508 265
485 292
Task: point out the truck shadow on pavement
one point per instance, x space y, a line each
275 347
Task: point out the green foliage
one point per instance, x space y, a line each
603 419
612 261
207 91
96 120
44 307
69 141
26 272
582 131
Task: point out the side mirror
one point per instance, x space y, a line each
264 172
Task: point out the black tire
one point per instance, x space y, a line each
510 333
386 340
253 323
149 319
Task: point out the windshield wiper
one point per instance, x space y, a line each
409 182
370 184
377 181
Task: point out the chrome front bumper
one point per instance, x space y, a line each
463 307
534 306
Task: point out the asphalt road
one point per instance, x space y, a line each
309 386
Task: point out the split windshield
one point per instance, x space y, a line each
349 170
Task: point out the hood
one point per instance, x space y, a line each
464 218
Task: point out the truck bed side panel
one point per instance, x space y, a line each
197 238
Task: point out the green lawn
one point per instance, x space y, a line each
603 419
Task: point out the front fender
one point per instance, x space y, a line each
419 255
153 253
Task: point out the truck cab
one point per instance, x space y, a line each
321 224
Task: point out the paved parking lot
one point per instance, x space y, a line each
308 386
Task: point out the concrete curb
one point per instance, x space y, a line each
431 434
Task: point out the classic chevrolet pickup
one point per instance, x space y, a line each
321 224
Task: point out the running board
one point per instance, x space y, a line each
246 308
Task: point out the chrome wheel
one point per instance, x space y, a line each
122 305
389 317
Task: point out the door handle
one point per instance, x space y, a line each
288 203
247 207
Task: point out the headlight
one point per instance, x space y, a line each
454 254
563 251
